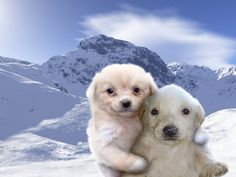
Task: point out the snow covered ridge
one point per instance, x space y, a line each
11 60
223 72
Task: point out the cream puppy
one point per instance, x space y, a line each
170 118
115 96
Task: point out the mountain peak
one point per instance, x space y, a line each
226 71
98 39
178 67
102 44
94 53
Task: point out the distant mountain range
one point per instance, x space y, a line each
45 103
216 89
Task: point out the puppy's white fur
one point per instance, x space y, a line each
178 157
113 129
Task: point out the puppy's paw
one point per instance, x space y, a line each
214 170
201 137
139 165
220 169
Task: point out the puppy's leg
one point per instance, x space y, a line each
122 161
107 171
214 170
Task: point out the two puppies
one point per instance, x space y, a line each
170 117
115 96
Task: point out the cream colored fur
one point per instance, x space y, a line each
113 129
174 158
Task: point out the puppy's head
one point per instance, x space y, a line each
119 89
172 114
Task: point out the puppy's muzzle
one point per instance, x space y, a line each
125 103
170 132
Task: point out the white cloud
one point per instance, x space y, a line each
173 38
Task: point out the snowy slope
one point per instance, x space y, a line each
220 125
11 60
28 147
69 128
83 167
38 122
59 138
30 71
25 102
222 130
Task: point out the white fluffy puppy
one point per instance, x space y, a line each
170 118
115 96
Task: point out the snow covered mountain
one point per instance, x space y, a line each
75 69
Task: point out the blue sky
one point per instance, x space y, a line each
196 32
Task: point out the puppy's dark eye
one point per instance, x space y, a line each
110 91
136 90
185 111
154 111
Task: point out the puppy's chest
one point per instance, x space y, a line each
173 163
131 127
123 133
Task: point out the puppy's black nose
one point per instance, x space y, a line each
170 130
126 103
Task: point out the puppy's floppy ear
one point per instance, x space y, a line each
152 85
92 87
142 109
200 135
200 114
